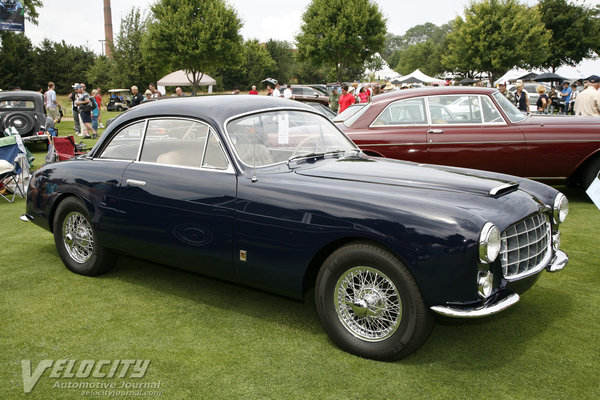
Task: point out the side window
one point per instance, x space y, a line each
404 112
463 109
490 112
214 157
175 142
126 143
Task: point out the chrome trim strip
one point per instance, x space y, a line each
559 262
484 311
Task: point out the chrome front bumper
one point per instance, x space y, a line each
559 261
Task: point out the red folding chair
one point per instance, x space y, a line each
64 148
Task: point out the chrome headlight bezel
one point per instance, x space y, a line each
560 210
489 243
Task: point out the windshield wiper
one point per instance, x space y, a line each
315 155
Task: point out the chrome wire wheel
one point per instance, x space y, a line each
78 237
368 304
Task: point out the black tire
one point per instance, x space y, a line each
77 242
370 305
591 172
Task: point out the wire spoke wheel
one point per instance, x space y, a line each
368 303
78 237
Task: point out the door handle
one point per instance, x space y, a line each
437 131
134 182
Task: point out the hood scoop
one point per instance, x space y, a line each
501 190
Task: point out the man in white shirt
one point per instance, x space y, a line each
287 93
51 103
276 92
588 101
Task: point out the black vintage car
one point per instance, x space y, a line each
271 194
24 111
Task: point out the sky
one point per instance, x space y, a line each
81 22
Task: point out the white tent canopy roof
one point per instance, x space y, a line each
183 78
418 77
582 70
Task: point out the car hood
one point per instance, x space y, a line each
407 174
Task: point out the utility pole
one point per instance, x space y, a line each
108 31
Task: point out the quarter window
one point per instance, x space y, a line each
404 112
125 144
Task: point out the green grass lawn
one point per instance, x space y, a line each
207 339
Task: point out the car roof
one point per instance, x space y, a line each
215 109
429 91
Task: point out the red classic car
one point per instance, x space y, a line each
477 128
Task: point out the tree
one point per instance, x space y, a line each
16 61
496 36
130 66
573 29
199 36
100 72
283 55
63 64
341 34
256 65
31 6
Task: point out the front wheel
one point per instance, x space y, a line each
77 242
369 303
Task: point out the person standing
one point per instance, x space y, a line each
155 93
276 93
521 97
95 111
509 95
137 97
346 99
253 91
287 93
574 93
73 98
83 101
52 105
98 98
587 101
565 94
363 95
543 101
334 98
179 92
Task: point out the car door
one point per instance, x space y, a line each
468 130
177 201
395 130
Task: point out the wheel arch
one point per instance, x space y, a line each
310 275
60 198
578 174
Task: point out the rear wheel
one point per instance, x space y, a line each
77 242
369 303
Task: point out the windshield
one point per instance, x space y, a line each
513 113
276 136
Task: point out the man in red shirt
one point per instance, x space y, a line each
346 99
253 91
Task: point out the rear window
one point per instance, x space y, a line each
16 103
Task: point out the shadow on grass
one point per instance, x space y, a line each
217 293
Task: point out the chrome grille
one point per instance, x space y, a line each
526 247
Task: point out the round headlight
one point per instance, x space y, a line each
561 208
489 243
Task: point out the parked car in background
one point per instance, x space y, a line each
307 93
270 194
477 128
326 111
24 111
119 100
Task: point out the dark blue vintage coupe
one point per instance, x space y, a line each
269 193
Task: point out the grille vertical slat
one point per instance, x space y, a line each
525 246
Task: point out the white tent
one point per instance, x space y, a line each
183 78
587 67
383 74
418 77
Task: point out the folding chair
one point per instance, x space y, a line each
64 148
11 171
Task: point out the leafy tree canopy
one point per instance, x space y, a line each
342 34
283 55
574 31
195 35
496 36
